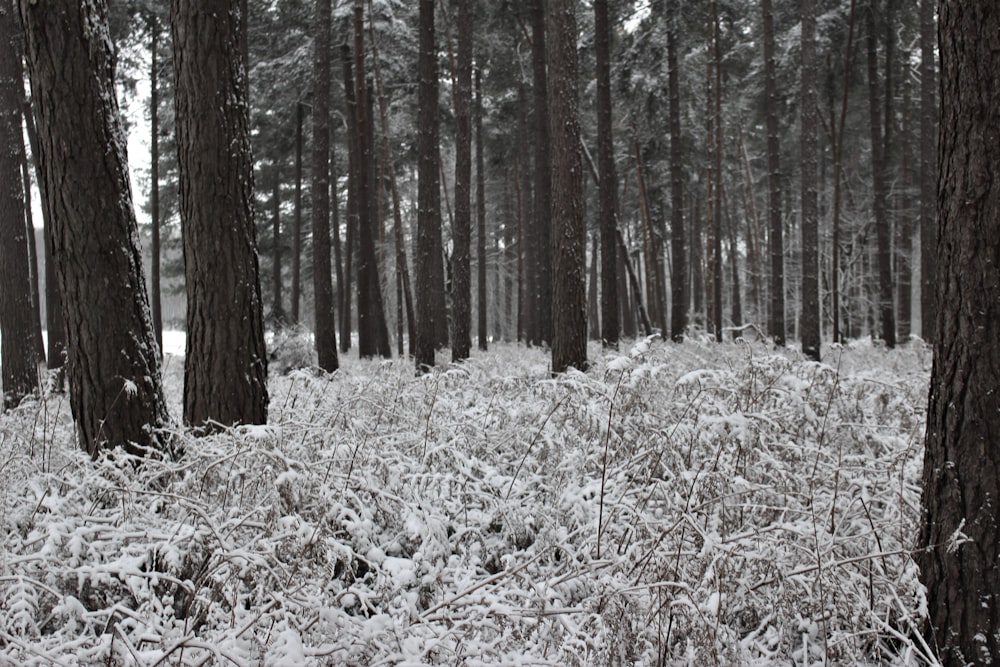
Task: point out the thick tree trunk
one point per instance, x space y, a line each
608 186
960 537
568 232
113 366
461 289
428 190
809 321
225 331
17 344
776 321
324 329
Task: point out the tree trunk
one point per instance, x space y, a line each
154 179
296 297
678 251
883 231
480 217
776 321
542 255
428 190
114 370
568 233
225 331
593 311
716 139
809 321
17 345
350 242
608 180
324 329
373 335
960 535
928 173
461 289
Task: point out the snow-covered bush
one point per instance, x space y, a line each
676 504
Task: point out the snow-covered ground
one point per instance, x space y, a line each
676 504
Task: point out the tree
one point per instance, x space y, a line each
462 234
568 233
879 189
678 278
113 365
540 332
480 216
809 320
776 321
324 328
608 185
428 190
225 365
154 177
373 333
960 534
17 349
296 295
928 194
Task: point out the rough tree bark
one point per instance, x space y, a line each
324 329
809 321
568 232
113 366
461 287
608 182
776 321
960 536
428 189
225 363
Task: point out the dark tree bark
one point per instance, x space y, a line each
296 295
324 329
481 217
113 365
960 537
608 185
17 349
225 364
678 251
154 179
428 190
776 321
809 321
928 173
568 234
883 231
461 288
542 260
373 334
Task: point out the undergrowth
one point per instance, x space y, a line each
676 504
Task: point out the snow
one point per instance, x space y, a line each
708 504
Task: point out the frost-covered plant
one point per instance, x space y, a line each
676 504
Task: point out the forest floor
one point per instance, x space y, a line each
677 504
